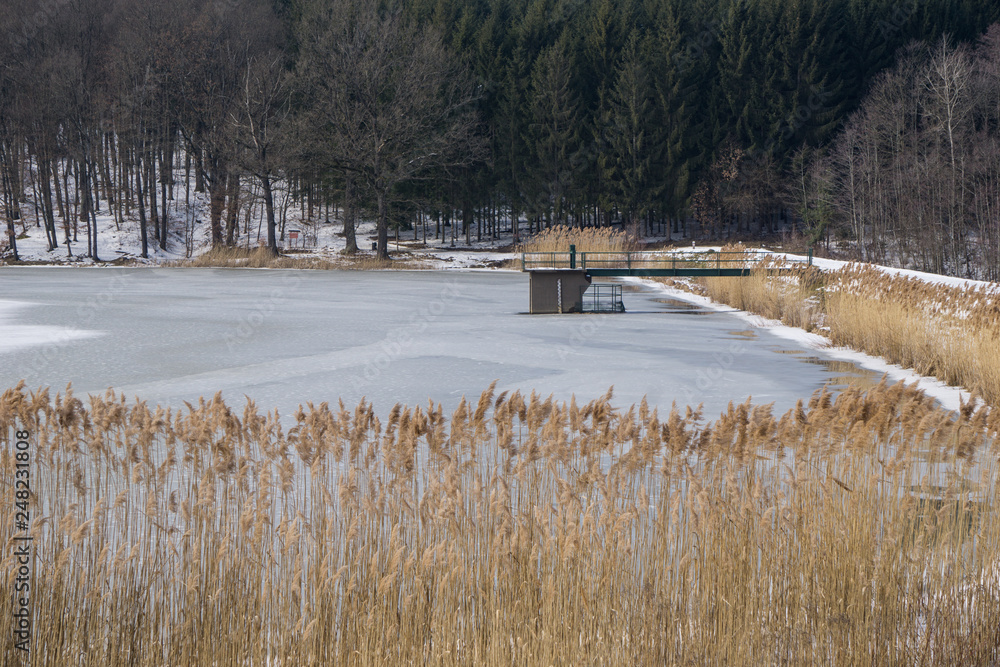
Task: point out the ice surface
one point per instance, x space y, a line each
287 337
15 336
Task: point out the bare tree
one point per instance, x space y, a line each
389 102
948 106
9 145
986 187
260 129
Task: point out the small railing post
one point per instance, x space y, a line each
522 261
572 256
810 256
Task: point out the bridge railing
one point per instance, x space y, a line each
547 260
659 260
639 260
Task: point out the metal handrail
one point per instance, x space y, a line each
642 259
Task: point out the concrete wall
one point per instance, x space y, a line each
557 290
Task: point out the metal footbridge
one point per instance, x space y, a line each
658 263
561 282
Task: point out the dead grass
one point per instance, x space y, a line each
586 239
951 333
558 239
793 297
860 529
262 258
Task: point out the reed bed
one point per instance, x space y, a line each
263 258
949 332
794 297
607 247
952 333
857 529
586 239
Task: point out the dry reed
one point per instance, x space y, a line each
262 258
949 332
586 239
857 529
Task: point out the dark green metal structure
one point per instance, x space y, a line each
602 298
650 264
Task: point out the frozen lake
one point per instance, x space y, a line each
287 337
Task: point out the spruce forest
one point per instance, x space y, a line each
868 128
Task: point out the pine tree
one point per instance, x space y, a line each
632 151
554 130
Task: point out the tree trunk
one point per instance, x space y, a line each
92 169
63 208
382 245
217 188
165 167
8 205
467 215
108 183
143 233
272 241
154 217
45 187
232 210
12 235
199 171
350 217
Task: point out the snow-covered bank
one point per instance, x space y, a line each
950 397
932 278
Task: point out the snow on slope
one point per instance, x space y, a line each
190 235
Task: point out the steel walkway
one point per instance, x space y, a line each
653 263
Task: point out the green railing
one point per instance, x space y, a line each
645 260
652 260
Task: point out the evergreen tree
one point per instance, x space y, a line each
554 130
632 150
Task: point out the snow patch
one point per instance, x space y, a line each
14 337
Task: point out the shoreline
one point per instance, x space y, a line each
949 396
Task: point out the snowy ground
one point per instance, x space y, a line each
190 235
933 278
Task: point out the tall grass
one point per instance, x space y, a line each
263 258
611 245
860 529
949 332
792 297
586 239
